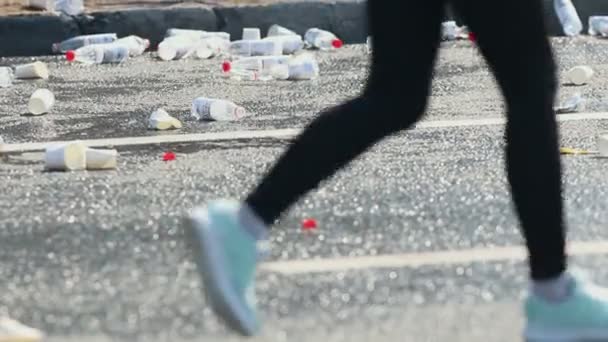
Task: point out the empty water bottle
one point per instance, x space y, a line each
277 30
213 109
291 43
566 12
176 47
299 68
321 39
80 41
210 47
135 44
248 48
196 34
598 26
99 54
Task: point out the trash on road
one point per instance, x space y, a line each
41 102
277 30
135 44
368 44
304 67
451 31
252 67
309 224
196 34
251 33
168 156
80 41
6 77
217 110
210 47
97 159
574 151
14 331
573 104
322 40
161 120
32 70
248 48
602 145
579 75
176 47
99 54
291 44
598 26
568 17
66 157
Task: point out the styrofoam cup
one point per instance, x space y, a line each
251 33
32 70
66 157
579 75
602 145
100 159
41 101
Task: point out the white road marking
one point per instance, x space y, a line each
453 257
259 134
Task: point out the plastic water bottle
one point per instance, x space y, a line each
196 34
598 26
213 109
248 48
566 12
99 54
321 39
277 30
80 41
210 47
135 44
176 47
291 43
254 68
299 68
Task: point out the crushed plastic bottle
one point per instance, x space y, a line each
80 41
176 47
278 30
214 109
291 43
248 48
566 12
196 34
598 26
322 40
254 68
573 104
135 44
210 47
303 67
99 54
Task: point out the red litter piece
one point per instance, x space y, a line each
70 55
337 43
309 224
472 37
168 156
226 66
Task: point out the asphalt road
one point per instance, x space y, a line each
100 256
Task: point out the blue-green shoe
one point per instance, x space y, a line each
226 256
581 317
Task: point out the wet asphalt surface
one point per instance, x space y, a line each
100 256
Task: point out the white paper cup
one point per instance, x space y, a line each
32 70
579 75
602 145
66 157
251 33
41 101
100 159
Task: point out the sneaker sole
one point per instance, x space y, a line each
225 301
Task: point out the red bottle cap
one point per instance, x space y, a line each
309 224
168 156
70 55
472 37
337 43
226 66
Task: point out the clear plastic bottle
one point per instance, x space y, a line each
135 44
598 26
566 12
176 47
254 68
99 54
247 48
299 68
214 109
196 34
277 30
368 44
80 41
321 39
291 43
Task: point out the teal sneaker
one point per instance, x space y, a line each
581 317
226 255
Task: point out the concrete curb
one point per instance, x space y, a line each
33 35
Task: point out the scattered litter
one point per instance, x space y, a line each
291 44
251 33
574 151
575 103
99 54
303 67
566 12
277 30
176 47
161 120
602 145
6 77
168 156
248 48
322 40
32 70
598 26
253 68
135 44
66 157
41 102
100 159
14 331
309 224
196 34
451 31
210 47
80 41
368 44
218 110
579 75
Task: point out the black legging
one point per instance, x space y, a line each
512 37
